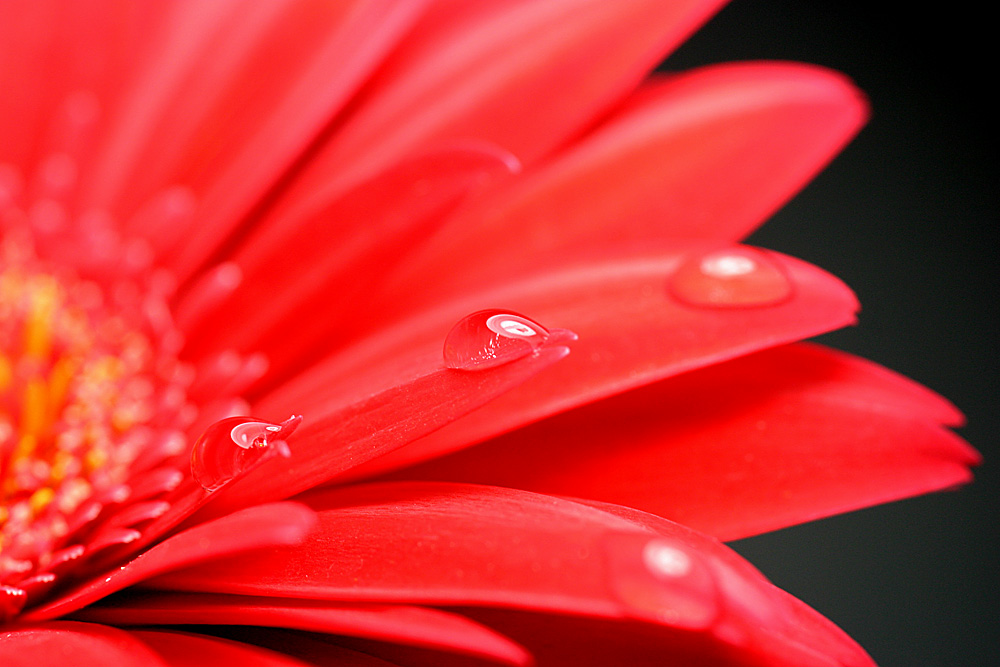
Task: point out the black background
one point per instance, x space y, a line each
906 217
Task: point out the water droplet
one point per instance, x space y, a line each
491 338
731 278
233 446
660 580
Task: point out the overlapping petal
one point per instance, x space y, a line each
332 186
518 550
321 271
471 69
403 624
345 434
252 528
632 332
70 642
785 436
184 648
230 131
704 154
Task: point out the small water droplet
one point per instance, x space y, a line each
731 278
491 338
233 446
660 580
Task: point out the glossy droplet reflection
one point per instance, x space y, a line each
659 579
735 277
233 446
665 560
490 338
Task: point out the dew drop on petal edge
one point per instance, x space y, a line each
737 277
233 446
490 338
658 579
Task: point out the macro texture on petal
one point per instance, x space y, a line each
787 435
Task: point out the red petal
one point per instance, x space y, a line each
755 444
318 650
631 330
276 73
71 643
707 154
460 544
793 634
85 49
521 75
433 543
253 528
190 650
320 271
342 432
417 626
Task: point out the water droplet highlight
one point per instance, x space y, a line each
234 446
490 338
665 560
738 277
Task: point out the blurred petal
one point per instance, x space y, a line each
785 436
405 624
470 70
86 47
72 643
228 96
319 273
705 154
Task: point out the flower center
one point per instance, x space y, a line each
83 376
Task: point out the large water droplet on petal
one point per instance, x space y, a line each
731 278
491 338
659 579
236 445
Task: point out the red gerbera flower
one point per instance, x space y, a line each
361 214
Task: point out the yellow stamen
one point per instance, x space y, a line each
41 498
59 381
38 324
34 412
6 374
95 458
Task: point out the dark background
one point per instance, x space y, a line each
906 217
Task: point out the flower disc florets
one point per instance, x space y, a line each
91 395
